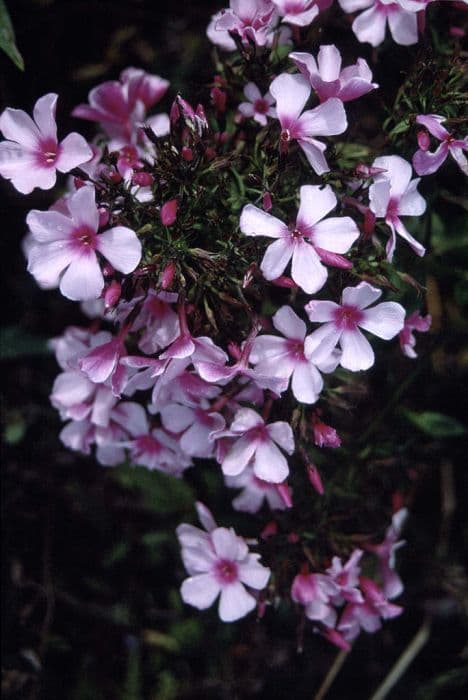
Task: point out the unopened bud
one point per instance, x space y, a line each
169 212
107 270
78 182
104 216
285 282
187 154
112 294
167 276
314 478
267 203
218 97
270 530
142 179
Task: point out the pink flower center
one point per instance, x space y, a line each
261 106
347 318
226 571
392 209
48 153
146 444
261 484
85 237
296 349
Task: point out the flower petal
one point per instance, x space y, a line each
357 353
384 320
121 247
255 222
200 591
235 602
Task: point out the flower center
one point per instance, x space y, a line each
347 318
261 106
85 237
48 152
296 349
226 571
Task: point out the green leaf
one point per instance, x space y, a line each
7 37
163 494
15 342
435 424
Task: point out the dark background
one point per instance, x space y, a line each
91 568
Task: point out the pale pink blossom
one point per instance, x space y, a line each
254 492
328 78
342 323
258 442
370 25
120 106
259 106
346 578
291 93
32 154
251 20
297 12
285 358
155 449
426 162
393 195
219 564
369 614
413 323
157 321
308 242
315 592
392 584
194 425
65 247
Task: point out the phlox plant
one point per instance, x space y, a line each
236 261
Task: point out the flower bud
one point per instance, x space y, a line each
104 216
424 140
167 276
112 294
314 478
142 179
169 212
325 435
187 154
285 493
267 203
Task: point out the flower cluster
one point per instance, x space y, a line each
227 274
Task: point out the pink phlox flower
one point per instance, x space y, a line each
157 450
65 248
32 154
251 20
220 564
220 373
76 397
370 25
115 426
291 93
297 12
285 358
186 346
306 243
120 106
259 107
158 322
315 592
75 342
328 78
392 584
128 161
103 363
194 425
369 614
413 323
394 194
346 578
255 492
258 442
342 323
426 162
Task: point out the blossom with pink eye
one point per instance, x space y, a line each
259 107
64 248
309 242
298 12
254 492
285 358
394 194
346 578
257 442
370 25
120 106
194 424
250 20
368 614
32 155
315 592
342 323
155 449
413 323
425 162
291 93
219 564
328 78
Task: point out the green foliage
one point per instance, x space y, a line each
7 37
435 424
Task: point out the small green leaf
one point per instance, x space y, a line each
435 424
16 342
7 37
